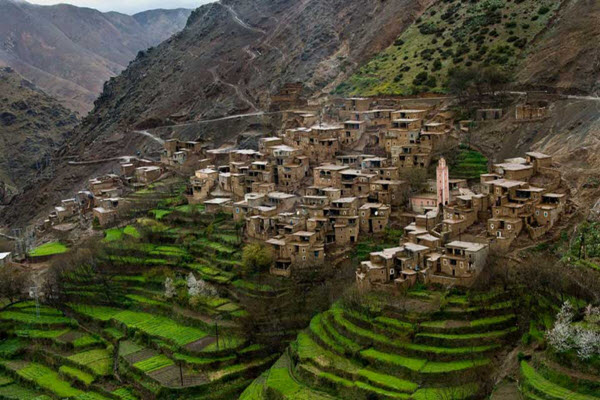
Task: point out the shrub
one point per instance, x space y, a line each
256 257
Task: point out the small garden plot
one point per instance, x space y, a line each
86 341
113 235
41 334
124 394
76 374
128 347
33 319
548 389
131 231
48 379
455 392
224 343
160 214
99 313
98 361
10 347
15 391
454 366
236 369
280 381
49 249
217 246
203 361
412 364
162 327
154 363
146 301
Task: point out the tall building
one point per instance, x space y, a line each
443 183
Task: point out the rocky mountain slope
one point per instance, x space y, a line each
32 126
227 60
70 51
567 55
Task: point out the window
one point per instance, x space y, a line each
237 210
509 227
546 214
537 212
445 262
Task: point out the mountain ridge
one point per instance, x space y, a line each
82 46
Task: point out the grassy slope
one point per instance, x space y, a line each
452 34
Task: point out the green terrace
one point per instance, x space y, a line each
546 382
374 352
48 249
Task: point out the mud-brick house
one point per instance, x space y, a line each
461 260
547 213
409 114
410 157
390 192
146 175
516 171
504 227
291 174
343 217
353 131
328 175
357 104
306 250
406 125
397 267
539 160
527 112
488 114
398 138
313 206
104 216
282 264
266 144
352 160
356 183
381 118
374 217
102 183
218 205
202 183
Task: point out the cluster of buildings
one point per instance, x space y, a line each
103 196
455 225
312 191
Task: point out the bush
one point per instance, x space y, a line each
256 257
421 78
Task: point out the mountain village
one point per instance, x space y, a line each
311 192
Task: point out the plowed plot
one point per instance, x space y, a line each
199 345
171 377
70 336
140 356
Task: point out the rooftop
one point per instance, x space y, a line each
469 246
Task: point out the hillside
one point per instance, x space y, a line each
223 64
32 126
70 51
386 347
459 35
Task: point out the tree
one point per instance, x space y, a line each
169 288
193 288
256 257
13 284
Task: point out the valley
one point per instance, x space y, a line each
316 199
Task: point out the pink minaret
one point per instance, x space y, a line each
443 183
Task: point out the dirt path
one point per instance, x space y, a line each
151 136
241 95
239 21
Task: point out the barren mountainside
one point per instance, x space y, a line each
70 51
32 126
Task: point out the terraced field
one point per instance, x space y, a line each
158 346
392 353
544 379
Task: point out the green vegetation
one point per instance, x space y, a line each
545 388
468 164
449 35
154 363
360 348
49 249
